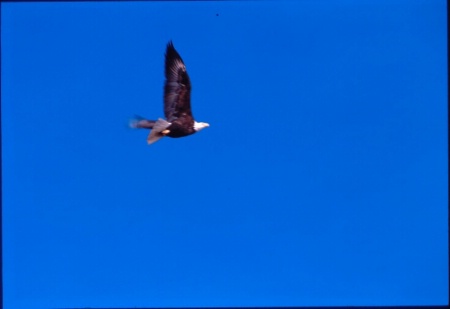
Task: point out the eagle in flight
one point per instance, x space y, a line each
179 121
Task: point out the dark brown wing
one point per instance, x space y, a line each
177 87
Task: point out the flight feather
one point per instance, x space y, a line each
177 86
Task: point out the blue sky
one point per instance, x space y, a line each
322 179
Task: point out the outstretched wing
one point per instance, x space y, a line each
177 87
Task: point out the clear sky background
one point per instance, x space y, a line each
322 179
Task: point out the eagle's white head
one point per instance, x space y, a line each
200 125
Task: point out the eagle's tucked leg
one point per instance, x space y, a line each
158 131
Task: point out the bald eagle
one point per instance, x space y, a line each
179 121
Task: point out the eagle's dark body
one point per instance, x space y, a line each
179 121
180 128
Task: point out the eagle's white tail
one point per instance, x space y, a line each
139 122
155 133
